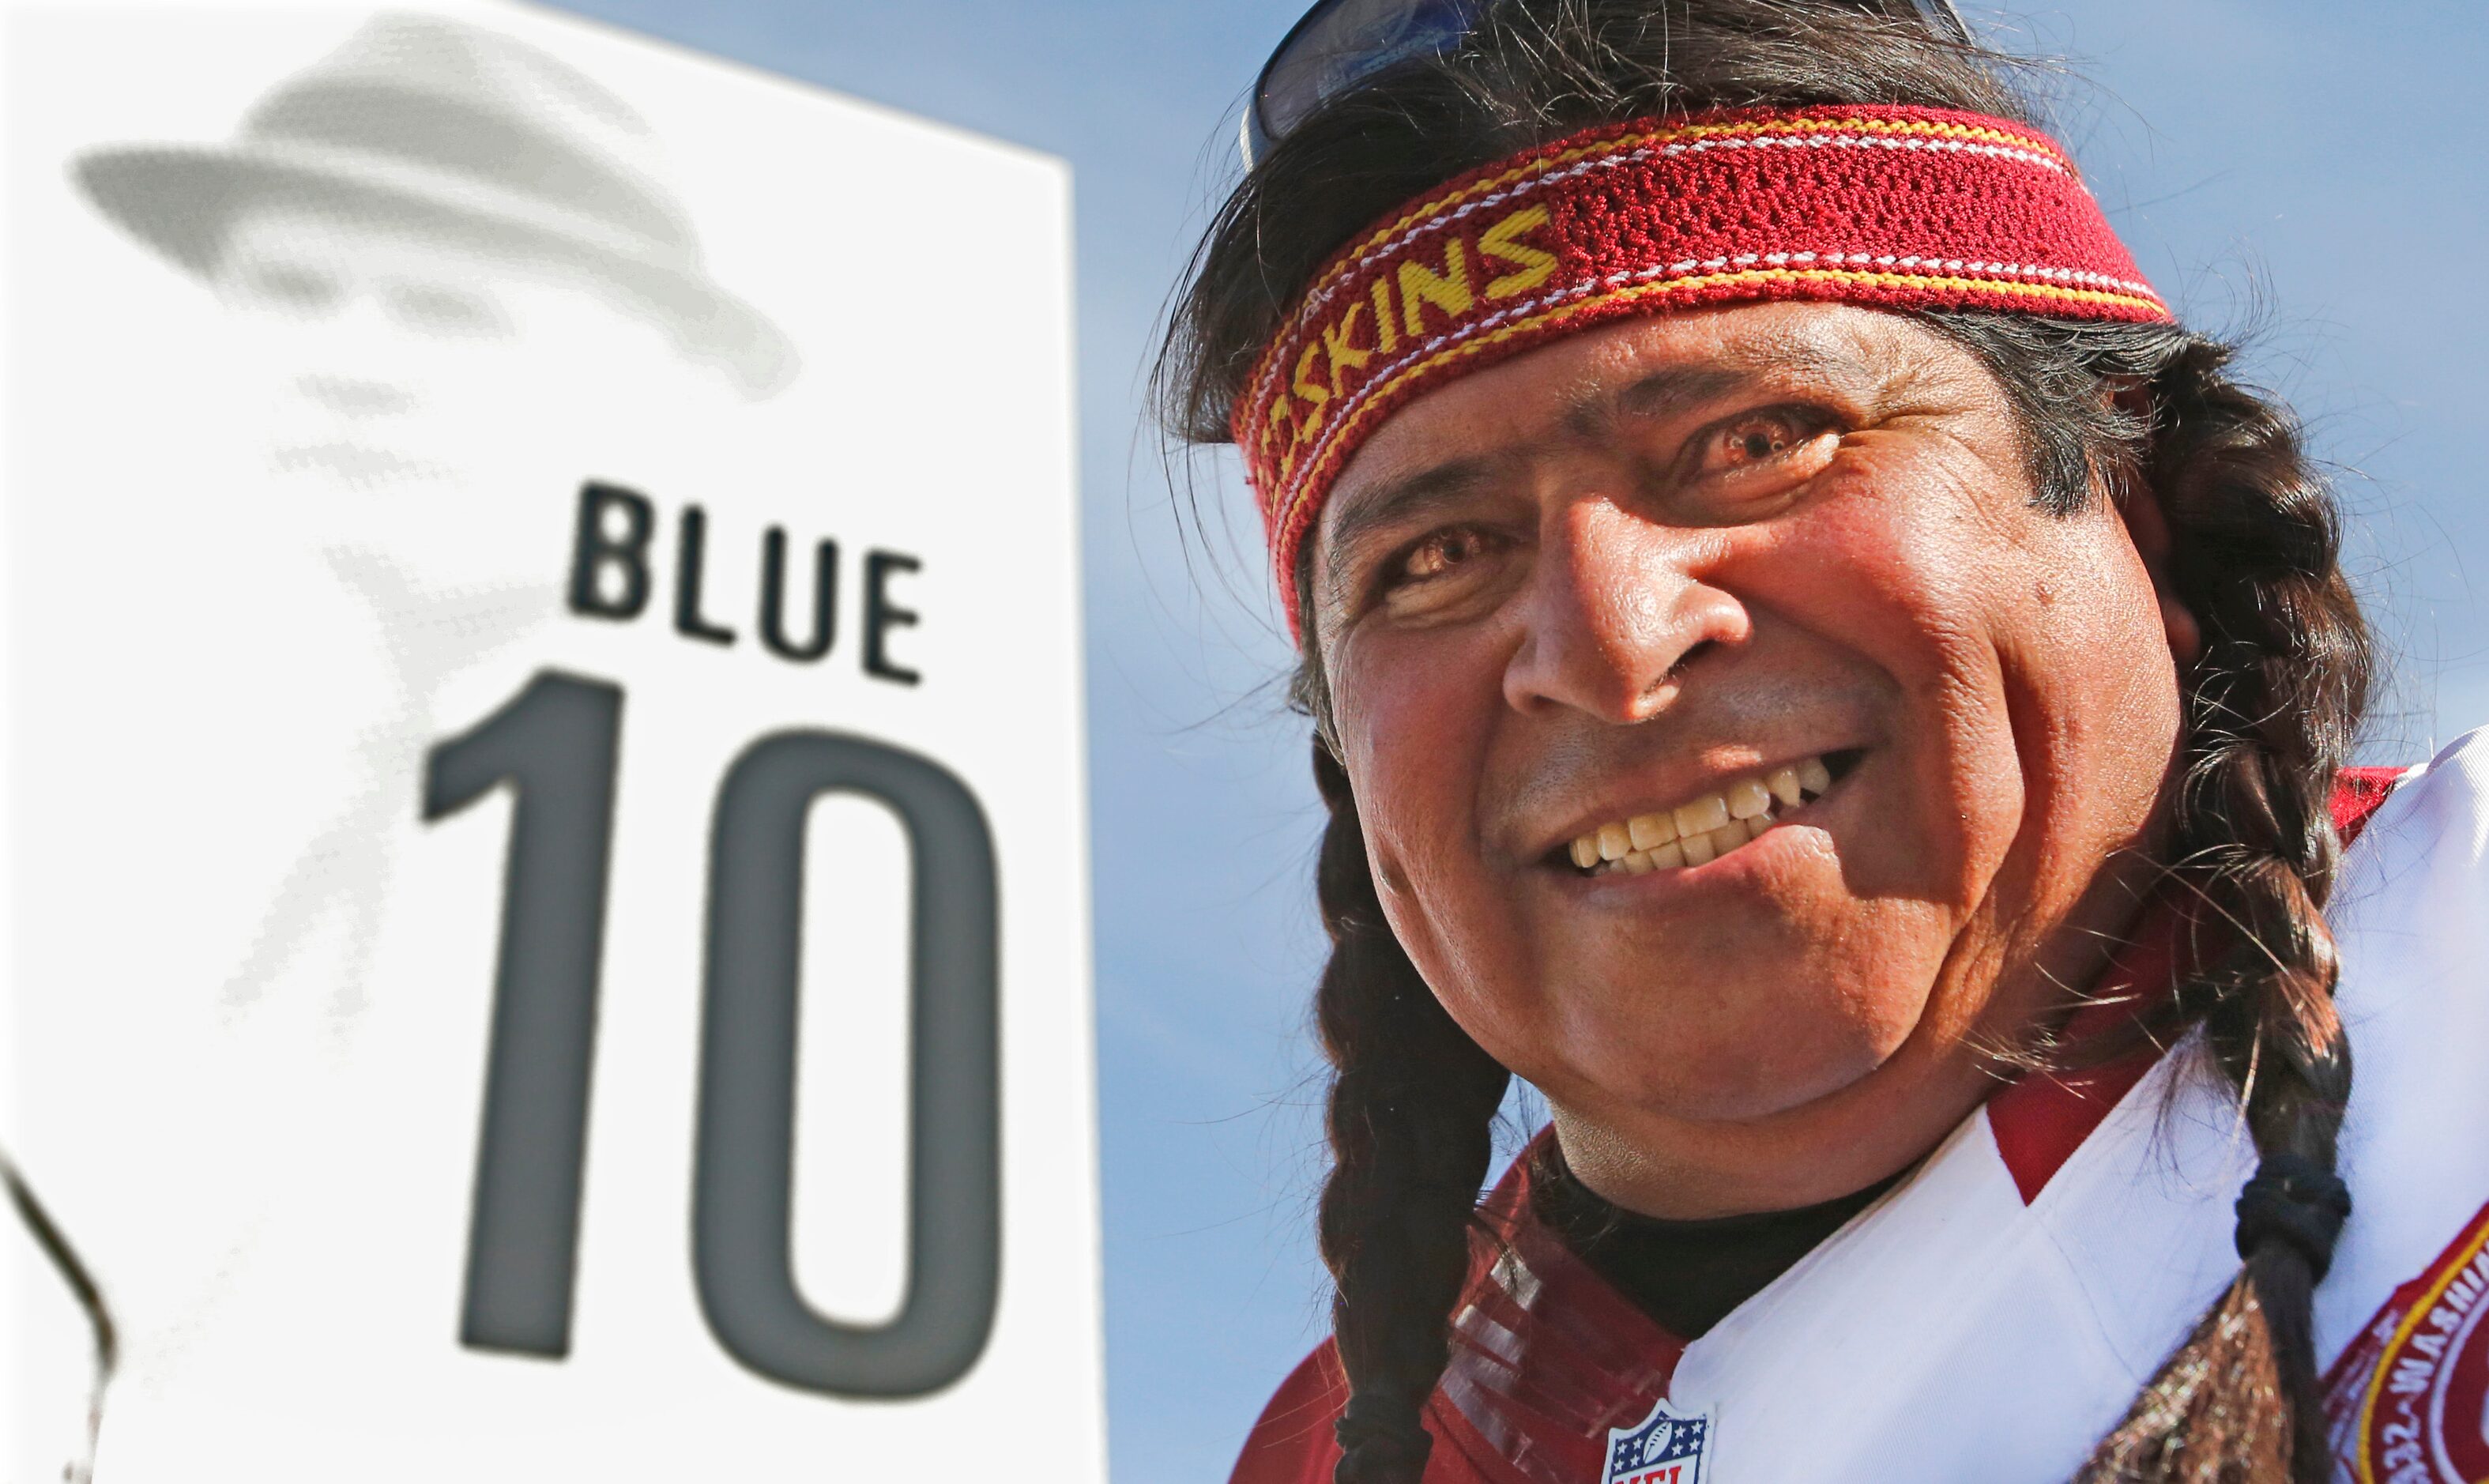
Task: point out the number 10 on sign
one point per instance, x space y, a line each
555 745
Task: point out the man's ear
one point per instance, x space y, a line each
2147 525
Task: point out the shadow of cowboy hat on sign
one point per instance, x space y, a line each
444 130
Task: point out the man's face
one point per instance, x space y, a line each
1627 570
425 392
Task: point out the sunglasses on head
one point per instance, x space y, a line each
1340 43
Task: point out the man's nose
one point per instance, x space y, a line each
354 396
356 364
1615 611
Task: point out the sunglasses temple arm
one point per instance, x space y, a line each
1948 20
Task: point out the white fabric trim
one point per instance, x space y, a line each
2413 912
1950 1332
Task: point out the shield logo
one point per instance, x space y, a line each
2409 1400
1663 1448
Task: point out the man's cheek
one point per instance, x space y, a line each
1874 978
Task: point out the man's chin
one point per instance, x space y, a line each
1750 1072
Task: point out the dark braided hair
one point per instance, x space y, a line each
1412 1132
2107 412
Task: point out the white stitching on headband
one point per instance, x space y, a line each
1315 302
1345 413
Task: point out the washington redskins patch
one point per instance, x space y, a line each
2409 1401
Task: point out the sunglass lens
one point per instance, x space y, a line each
1344 41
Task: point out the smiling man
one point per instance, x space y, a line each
1819 673
1637 581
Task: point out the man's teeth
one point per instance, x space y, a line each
1701 830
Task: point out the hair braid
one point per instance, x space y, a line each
2272 708
1411 1117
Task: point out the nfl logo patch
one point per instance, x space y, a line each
1664 1448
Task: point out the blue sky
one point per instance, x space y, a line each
2310 170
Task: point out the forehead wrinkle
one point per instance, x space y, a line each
1840 348
1407 498
1592 411
1810 349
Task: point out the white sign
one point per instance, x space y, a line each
546 920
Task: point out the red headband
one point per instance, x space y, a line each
1897 207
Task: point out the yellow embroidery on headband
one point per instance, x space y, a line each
1364 401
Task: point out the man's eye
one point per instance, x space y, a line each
1444 575
299 290
1440 555
1756 438
447 312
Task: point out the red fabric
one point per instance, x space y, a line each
1292 1443
1893 207
2041 1120
2358 797
1546 1358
